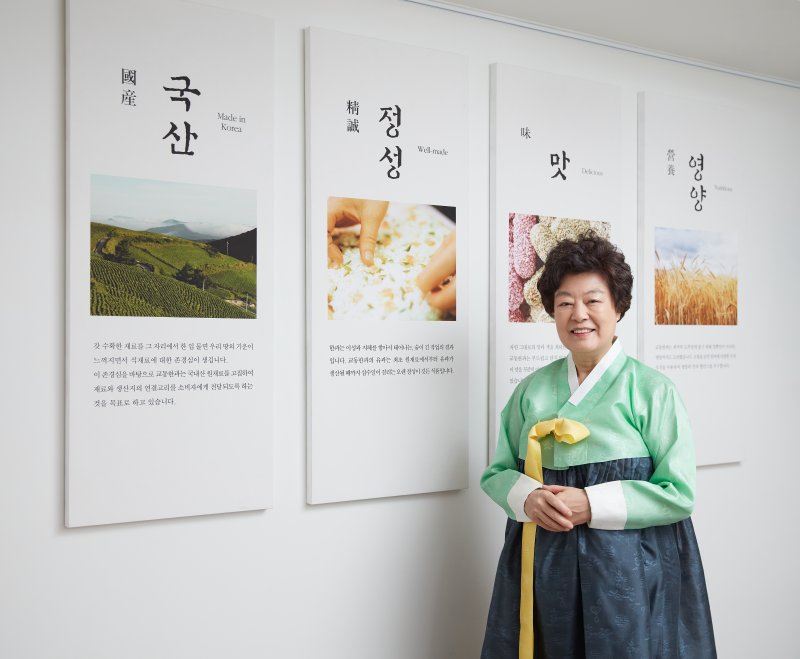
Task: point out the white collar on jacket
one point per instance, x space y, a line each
578 391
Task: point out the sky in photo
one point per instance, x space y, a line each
147 203
715 250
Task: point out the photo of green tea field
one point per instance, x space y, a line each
696 280
143 265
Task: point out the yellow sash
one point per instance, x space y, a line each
564 430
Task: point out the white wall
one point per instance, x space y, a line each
404 578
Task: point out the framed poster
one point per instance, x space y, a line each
169 304
692 203
555 173
386 171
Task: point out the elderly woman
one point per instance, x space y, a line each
595 470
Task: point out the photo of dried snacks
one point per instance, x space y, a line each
390 261
696 281
530 239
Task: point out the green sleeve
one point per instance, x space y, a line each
668 496
503 475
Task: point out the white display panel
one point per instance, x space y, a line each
555 172
169 287
692 201
387 360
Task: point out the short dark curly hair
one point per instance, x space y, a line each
588 253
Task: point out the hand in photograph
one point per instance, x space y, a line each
438 279
345 212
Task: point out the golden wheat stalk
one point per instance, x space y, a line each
689 293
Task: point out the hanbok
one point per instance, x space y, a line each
629 584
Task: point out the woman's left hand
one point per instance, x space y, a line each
577 501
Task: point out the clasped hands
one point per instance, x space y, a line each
558 508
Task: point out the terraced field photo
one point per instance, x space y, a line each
171 267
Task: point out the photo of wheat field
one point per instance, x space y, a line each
696 280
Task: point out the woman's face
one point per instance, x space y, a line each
585 314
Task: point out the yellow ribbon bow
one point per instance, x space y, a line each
570 432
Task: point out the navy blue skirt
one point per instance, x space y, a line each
636 594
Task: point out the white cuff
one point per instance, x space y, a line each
609 511
518 494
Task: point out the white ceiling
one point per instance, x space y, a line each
760 37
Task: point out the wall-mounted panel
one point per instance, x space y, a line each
169 281
555 173
386 185
692 200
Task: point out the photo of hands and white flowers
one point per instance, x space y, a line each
390 261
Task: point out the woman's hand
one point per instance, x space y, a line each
575 499
545 508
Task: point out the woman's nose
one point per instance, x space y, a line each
578 311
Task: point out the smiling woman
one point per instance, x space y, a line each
586 318
586 286
595 469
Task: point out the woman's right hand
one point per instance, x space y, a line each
548 511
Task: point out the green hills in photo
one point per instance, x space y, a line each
141 273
